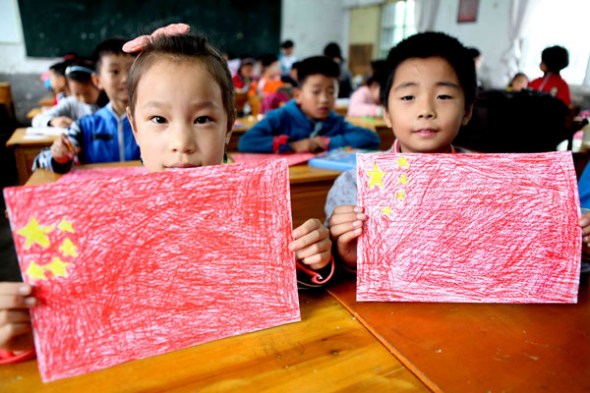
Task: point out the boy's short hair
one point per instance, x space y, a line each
556 58
267 59
287 44
332 50
111 46
317 65
434 44
179 48
474 52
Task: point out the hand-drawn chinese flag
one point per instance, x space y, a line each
493 228
134 266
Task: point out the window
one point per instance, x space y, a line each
558 23
397 23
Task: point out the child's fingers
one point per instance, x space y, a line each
350 226
310 239
308 226
15 295
314 248
348 237
584 221
347 209
343 218
317 261
13 316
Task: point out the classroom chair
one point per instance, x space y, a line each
6 98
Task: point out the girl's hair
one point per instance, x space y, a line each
179 48
80 71
516 76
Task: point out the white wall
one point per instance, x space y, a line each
489 34
311 24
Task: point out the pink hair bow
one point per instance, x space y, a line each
139 43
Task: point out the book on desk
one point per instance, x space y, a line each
340 159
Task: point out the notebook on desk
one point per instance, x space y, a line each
340 159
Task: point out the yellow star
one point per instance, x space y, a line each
65 226
68 248
57 267
35 233
376 177
35 272
402 162
401 195
403 179
386 211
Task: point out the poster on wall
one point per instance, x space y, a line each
467 11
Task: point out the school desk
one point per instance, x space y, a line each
34 112
328 351
25 151
378 125
309 187
484 347
242 125
47 101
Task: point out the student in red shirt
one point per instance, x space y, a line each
553 60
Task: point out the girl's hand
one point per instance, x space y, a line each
312 244
16 332
346 225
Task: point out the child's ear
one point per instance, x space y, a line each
297 95
96 80
387 118
131 122
467 115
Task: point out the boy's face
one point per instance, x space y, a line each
179 122
85 92
426 105
317 96
112 77
247 70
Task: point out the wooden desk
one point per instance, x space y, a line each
46 101
328 351
484 347
245 123
378 125
25 151
34 112
309 187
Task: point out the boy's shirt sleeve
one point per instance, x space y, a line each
63 108
44 159
265 137
354 136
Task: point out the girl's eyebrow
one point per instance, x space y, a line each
404 85
441 83
195 105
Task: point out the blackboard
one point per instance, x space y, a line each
54 28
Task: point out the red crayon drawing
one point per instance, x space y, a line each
494 228
96 173
292 159
135 266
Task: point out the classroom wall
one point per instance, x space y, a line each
365 24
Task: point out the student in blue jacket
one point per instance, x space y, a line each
308 123
105 136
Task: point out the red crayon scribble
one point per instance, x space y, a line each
498 228
145 264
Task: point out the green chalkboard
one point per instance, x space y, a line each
54 28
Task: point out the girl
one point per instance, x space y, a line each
178 123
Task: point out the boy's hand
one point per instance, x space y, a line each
63 151
61 121
346 225
308 145
312 244
16 332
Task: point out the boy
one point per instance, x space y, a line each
287 57
308 123
553 60
105 136
428 97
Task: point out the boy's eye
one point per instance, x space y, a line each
158 119
202 120
444 97
407 98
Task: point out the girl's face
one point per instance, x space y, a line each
247 70
426 105
179 120
85 92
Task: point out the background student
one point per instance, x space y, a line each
106 135
518 82
308 123
174 134
83 99
553 60
365 101
287 56
333 51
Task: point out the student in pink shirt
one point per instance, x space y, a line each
365 100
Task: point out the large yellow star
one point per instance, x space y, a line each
68 248
35 233
65 226
402 162
57 267
403 179
35 272
376 178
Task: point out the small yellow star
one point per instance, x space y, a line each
386 211
401 195
65 226
403 179
35 233
35 272
57 267
402 162
376 178
68 248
